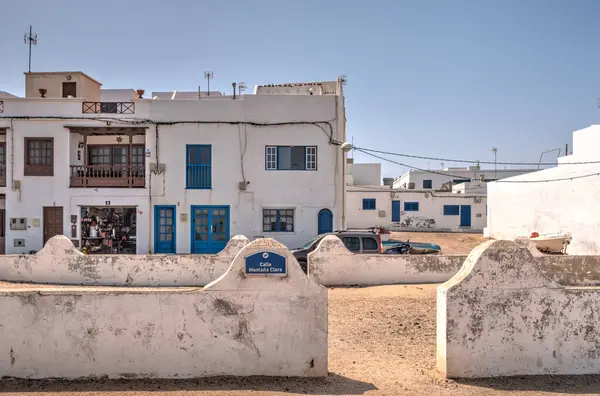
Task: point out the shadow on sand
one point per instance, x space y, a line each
334 384
561 384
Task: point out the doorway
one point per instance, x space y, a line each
210 229
465 216
53 222
164 229
395 210
325 221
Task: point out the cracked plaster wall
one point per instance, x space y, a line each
331 264
501 315
237 325
60 263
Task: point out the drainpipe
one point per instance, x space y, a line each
345 148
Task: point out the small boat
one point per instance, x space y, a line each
555 243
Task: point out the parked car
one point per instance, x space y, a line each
356 241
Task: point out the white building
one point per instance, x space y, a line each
119 173
370 204
537 202
424 180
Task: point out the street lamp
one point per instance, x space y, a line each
345 147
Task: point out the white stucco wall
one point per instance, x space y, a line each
60 263
501 316
518 209
224 128
331 264
364 174
238 325
429 217
417 177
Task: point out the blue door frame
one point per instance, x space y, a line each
465 216
325 221
165 229
209 229
395 210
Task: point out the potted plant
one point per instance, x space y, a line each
43 92
140 93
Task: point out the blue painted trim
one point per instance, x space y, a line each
278 220
396 210
369 203
157 229
193 227
451 210
187 166
411 206
278 156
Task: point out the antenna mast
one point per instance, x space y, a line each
209 76
30 39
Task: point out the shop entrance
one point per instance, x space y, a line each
109 230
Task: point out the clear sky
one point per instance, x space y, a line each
438 78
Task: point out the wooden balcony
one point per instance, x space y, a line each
107 176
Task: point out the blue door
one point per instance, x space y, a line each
210 229
395 210
164 229
325 221
465 215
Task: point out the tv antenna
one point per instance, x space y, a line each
241 88
209 76
31 39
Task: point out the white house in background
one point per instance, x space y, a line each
116 172
370 204
533 202
424 180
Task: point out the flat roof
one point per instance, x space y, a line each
66 72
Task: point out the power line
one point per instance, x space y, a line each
473 161
496 181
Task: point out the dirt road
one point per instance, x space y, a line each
450 242
381 342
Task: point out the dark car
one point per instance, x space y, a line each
128 242
356 241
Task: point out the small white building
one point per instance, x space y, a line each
556 200
370 204
116 172
438 179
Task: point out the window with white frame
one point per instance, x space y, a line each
311 158
291 158
271 158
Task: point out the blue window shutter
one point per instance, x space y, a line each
411 206
451 210
369 204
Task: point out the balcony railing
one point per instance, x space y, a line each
2 175
109 107
108 176
1 106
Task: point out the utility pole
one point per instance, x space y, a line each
209 76
495 151
30 39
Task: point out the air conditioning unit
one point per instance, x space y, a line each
411 186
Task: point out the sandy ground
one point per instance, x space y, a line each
381 342
450 242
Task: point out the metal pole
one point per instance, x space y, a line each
344 190
30 36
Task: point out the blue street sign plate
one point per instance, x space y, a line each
266 263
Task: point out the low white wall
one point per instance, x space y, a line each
331 264
60 263
501 315
238 325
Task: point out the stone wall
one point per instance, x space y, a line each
60 263
238 325
331 264
500 315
